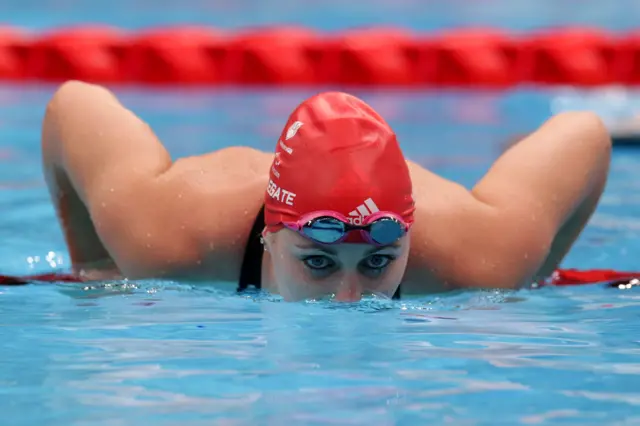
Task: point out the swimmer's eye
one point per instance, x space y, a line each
318 263
377 262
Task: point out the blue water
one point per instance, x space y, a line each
619 15
172 354
165 353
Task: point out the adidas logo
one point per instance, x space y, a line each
365 209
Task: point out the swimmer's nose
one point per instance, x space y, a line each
350 289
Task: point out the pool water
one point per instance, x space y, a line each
166 353
329 15
171 353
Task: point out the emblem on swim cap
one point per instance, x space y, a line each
293 130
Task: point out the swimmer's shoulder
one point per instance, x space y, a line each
207 206
441 206
452 242
459 241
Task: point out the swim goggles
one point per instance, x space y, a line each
328 227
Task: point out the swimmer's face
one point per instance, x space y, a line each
303 269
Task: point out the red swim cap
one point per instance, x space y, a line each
336 153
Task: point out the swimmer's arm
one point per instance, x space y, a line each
100 161
541 192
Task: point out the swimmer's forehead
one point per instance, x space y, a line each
334 249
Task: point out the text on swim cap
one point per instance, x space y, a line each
276 162
286 148
279 194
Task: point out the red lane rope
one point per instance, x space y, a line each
561 277
299 56
47 277
577 277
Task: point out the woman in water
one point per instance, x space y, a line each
336 211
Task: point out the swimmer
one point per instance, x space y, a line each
336 211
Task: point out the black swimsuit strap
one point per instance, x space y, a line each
251 269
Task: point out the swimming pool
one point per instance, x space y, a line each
167 353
